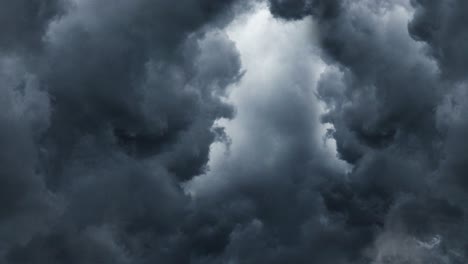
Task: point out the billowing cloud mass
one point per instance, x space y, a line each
207 131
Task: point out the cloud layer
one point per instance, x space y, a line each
292 131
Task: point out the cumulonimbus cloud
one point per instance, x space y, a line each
109 108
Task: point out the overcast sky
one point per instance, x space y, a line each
233 131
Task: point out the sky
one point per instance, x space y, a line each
233 132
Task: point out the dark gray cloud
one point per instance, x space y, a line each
23 23
26 203
109 111
442 25
107 106
297 9
394 94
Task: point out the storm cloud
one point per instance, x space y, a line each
206 131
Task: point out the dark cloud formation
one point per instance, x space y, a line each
445 35
394 95
108 109
23 23
297 9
